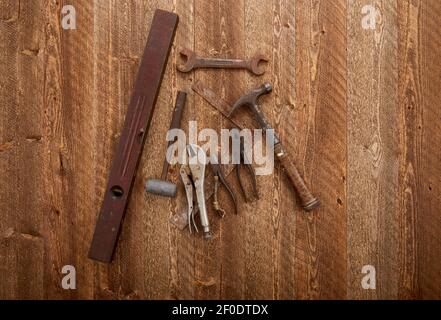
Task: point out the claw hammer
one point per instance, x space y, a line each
308 201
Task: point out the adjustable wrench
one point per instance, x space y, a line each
194 62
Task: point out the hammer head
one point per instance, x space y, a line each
250 99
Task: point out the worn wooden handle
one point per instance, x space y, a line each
308 201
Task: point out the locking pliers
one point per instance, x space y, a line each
192 175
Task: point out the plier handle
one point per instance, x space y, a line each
251 173
219 178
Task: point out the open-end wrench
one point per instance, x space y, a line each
193 62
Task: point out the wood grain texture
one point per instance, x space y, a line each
373 149
182 248
420 165
358 110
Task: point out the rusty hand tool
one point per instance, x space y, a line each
193 176
136 125
243 160
162 187
308 201
185 173
193 62
180 218
219 178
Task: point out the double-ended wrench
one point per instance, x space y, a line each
193 62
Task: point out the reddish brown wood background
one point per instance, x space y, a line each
359 110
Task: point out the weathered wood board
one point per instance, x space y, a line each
357 93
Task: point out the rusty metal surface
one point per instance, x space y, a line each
137 122
308 201
181 98
193 61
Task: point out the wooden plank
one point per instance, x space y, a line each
207 38
429 219
260 233
409 169
70 124
321 97
218 32
56 224
230 43
8 141
420 168
285 115
30 132
21 135
373 149
302 101
182 258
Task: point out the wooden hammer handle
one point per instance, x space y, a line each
308 201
